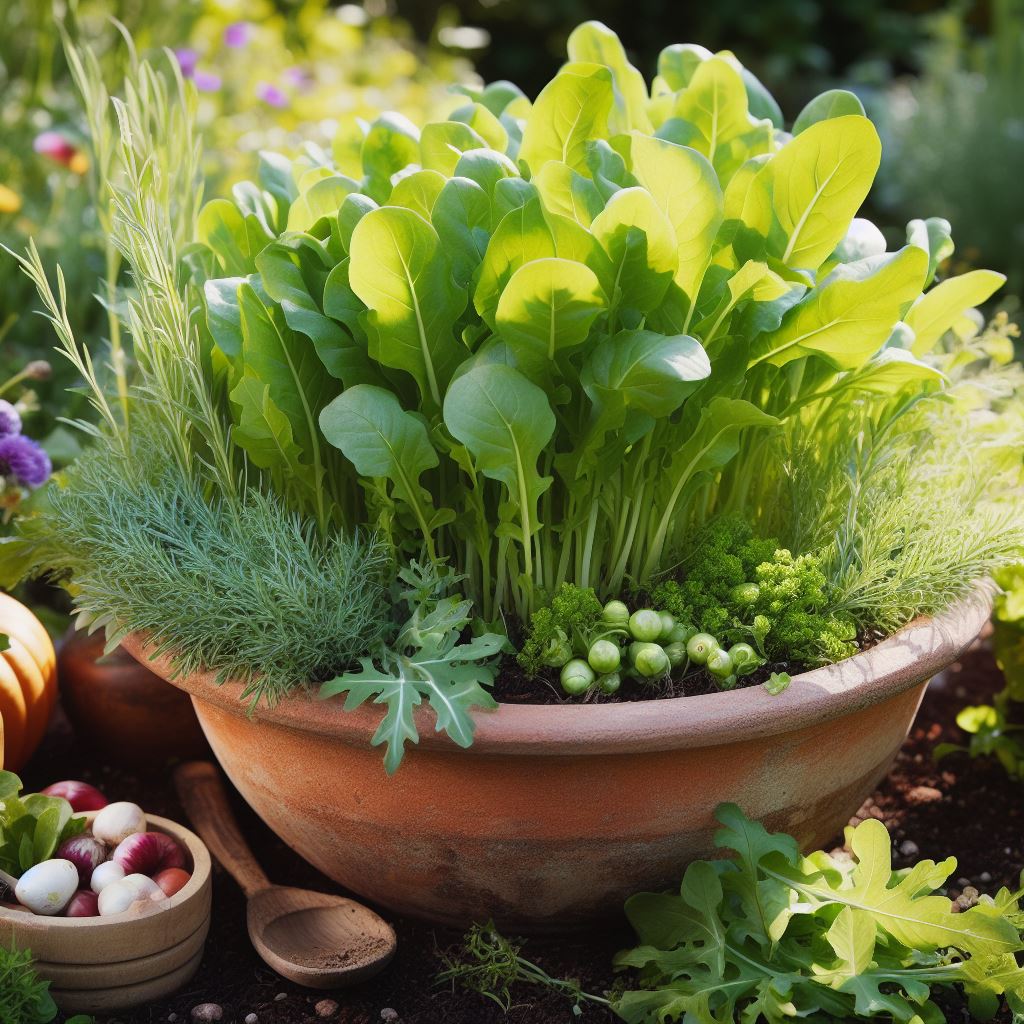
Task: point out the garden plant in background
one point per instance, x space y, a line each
532 347
968 174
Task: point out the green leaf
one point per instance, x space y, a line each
849 317
940 307
233 238
548 307
442 143
391 144
801 202
571 109
401 273
223 316
265 432
641 244
322 199
595 43
568 192
505 422
382 440
462 220
686 189
418 192
832 103
935 236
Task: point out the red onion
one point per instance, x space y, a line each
80 795
147 853
83 904
172 880
86 853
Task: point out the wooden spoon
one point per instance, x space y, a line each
311 938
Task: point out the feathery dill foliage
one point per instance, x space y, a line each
908 507
239 585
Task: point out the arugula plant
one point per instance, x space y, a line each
545 341
771 935
425 659
32 826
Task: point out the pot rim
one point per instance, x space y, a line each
904 660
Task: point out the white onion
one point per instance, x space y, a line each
46 888
116 822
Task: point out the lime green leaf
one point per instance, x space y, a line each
571 110
400 272
940 307
686 189
485 124
568 192
442 143
849 317
391 144
547 307
833 103
418 192
462 219
595 43
935 236
322 199
641 244
803 199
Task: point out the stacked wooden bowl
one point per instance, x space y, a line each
105 964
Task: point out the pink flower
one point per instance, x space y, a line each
187 60
55 146
238 34
207 81
272 95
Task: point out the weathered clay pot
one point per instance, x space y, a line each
121 708
557 813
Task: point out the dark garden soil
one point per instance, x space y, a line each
966 809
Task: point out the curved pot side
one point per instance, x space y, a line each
544 828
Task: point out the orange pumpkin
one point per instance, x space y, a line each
28 683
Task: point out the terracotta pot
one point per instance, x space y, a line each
556 813
121 708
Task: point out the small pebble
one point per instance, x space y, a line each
984 878
280 996
388 1014
207 1012
908 848
924 795
326 1008
172 1017
963 883
251 1018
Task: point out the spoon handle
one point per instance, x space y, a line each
202 793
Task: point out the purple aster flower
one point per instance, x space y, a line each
297 77
25 460
187 61
238 34
271 95
207 81
10 421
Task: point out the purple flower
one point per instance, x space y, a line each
297 77
271 95
25 460
187 61
206 81
10 421
238 34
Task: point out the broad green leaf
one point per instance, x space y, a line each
568 192
833 103
381 439
848 317
594 43
401 273
485 167
418 192
640 370
678 63
505 421
641 244
891 370
485 124
714 105
803 199
548 307
935 236
685 187
442 143
234 238
754 281
223 317
571 110
323 199
462 220
353 208
940 307
391 144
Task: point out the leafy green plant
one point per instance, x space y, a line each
491 965
425 659
31 827
771 935
24 997
746 588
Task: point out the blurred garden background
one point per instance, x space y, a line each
944 83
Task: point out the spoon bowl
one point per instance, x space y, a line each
311 938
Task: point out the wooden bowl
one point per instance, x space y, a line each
105 964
